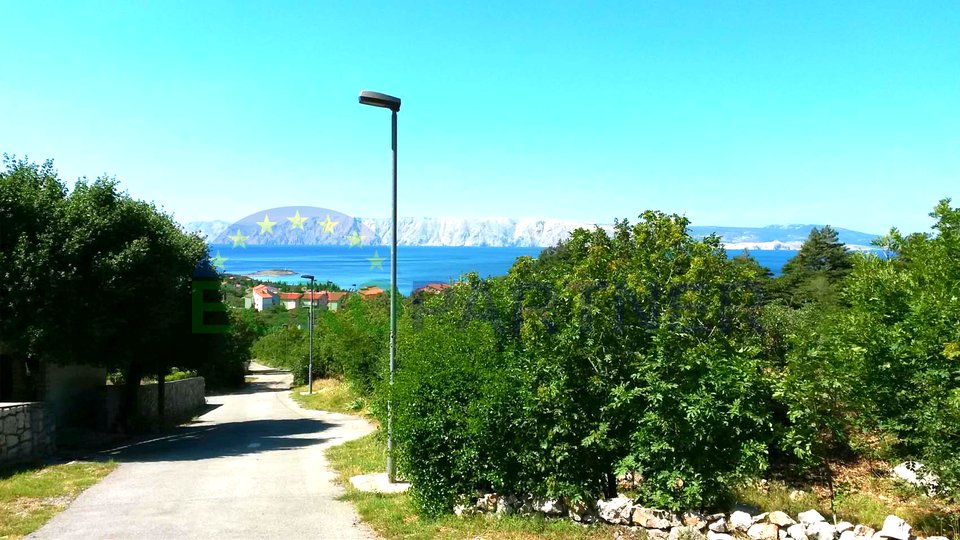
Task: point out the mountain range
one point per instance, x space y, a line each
494 232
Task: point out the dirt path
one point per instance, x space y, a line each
252 467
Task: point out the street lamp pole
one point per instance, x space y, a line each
310 324
377 99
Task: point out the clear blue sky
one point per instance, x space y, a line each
733 113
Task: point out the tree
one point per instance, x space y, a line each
816 273
94 277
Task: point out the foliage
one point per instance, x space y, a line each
814 275
353 341
286 348
632 352
96 277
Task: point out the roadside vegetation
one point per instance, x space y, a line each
332 395
650 354
95 277
29 497
396 515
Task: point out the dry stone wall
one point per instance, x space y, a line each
27 432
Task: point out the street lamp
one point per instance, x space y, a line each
310 324
376 99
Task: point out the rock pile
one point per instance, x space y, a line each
664 525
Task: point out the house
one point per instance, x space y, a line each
319 299
264 297
433 288
289 299
334 299
370 292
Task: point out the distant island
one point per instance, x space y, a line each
273 273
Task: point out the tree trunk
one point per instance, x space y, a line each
128 403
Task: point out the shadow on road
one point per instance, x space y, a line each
199 441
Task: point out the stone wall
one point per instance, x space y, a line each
26 431
182 400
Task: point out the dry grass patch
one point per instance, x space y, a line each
332 395
29 497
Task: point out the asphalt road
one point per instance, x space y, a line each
252 467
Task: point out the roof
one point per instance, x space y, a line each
433 287
314 295
335 296
289 296
371 291
262 291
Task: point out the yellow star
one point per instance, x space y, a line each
329 225
238 239
356 239
217 262
296 222
266 226
376 261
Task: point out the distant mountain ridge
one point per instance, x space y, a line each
506 232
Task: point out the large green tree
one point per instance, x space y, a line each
95 277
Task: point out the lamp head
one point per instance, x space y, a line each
376 99
307 276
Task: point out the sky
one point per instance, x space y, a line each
731 113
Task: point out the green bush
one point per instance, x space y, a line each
285 348
636 352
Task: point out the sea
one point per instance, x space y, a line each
361 266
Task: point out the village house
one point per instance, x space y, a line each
264 297
334 299
289 299
370 292
319 299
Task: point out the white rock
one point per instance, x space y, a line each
916 474
487 502
780 519
937 538
847 535
694 519
797 532
719 526
740 521
711 535
894 527
462 510
863 530
782 534
759 518
507 505
763 531
652 518
822 530
810 517
615 511
844 526
549 507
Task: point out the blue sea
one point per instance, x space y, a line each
416 266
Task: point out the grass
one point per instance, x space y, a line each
30 497
394 516
332 395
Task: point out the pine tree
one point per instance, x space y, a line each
816 272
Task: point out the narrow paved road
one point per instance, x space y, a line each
252 467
